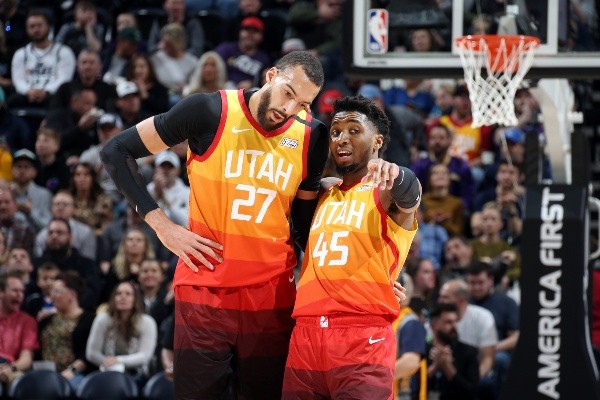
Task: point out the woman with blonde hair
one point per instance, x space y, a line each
209 76
123 338
135 247
172 63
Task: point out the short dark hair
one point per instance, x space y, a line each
39 13
310 64
438 309
61 220
10 274
373 113
478 267
73 281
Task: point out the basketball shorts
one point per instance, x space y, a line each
345 357
233 339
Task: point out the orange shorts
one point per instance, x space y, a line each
345 357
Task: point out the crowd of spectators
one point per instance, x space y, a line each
86 283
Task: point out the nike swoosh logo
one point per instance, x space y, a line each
236 130
291 278
372 341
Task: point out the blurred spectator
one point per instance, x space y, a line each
209 76
509 194
87 76
123 338
129 104
452 365
411 96
85 32
244 59
14 224
443 102
469 142
490 247
58 250
18 330
64 334
76 124
433 239
117 62
476 326
135 247
108 126
275 25
459 255
167 333
476 224
5 63
192 31
53 173
39 304
13 20
410 336
506 316
319 25
40 67
438 144
154 96
83 239
32 200
92 206
172 63
406 127
325 104
4 250
15 133
156 291
423 275
168 189
441 207
19 260
114 233
423 40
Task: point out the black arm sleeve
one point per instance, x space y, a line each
303 210
119 155
302 215
318 149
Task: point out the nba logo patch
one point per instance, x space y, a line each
377 31
324 322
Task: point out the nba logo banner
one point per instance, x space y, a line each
377 31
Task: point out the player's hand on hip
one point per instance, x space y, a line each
399 292
187 245
382 173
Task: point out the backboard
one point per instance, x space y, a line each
384 38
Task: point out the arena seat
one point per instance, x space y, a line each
39 385
158 387
102 385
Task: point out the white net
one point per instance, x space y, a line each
494 68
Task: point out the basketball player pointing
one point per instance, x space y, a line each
343 346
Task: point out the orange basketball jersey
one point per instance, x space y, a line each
242 189
354 254
468 142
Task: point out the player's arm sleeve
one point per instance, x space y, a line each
406 191
303 210
120 153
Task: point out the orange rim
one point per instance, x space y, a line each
494 41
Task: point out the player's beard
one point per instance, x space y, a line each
263 108
346 169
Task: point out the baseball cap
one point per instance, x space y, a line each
25 154
167 156
110 119
514 135
125 88
370 91
253 23
130 33
326 100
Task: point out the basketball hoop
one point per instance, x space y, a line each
495 66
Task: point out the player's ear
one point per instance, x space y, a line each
378 142
271 74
